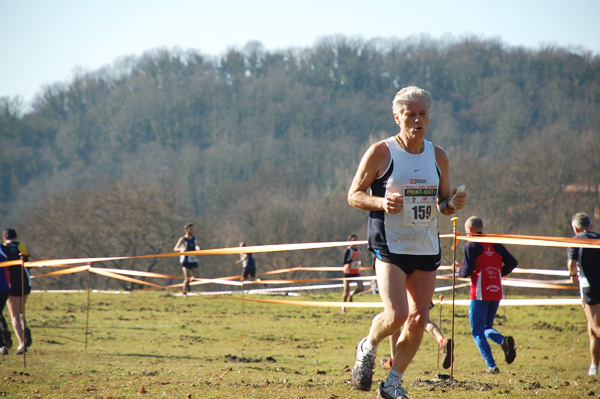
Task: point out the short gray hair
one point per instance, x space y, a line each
410 94
581 221
474 222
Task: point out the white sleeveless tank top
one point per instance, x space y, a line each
417 176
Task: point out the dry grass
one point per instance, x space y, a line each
154 345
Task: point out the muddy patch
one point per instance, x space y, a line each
236 359
443 381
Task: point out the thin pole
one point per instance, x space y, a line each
87 312
454 223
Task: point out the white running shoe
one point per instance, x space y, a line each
21 349
362 372
593 370
392 391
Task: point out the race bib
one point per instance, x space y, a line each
420 205
192 259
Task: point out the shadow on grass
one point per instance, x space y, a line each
96 328
105 327
56 339
146 355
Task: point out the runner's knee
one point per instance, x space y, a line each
417 322
394 319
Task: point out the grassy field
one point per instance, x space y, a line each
155 345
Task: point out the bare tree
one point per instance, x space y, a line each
125 218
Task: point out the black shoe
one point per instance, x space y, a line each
6 338
508 346
27 337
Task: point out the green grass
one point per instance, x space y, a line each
203 347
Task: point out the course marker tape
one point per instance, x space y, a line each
493 238
549 272
216 251
460 302
533 240
234 280
308 288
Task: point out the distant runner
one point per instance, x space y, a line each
352 265
189 263
584 269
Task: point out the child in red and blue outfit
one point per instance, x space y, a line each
486 264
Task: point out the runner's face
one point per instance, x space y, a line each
414 119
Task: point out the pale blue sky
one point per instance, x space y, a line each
45 41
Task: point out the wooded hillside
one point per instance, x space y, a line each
260 146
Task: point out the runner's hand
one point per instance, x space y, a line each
393 203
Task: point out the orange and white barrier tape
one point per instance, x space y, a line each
459 302
216 251
234 280
295 289
71 265
541 241
557 285
548 272
494 238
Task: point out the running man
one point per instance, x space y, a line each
584 269
5 340
409 182
20 286
248 264
352 265
189 263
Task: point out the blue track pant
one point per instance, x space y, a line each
481 315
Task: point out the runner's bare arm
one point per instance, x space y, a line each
373 164
177 246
